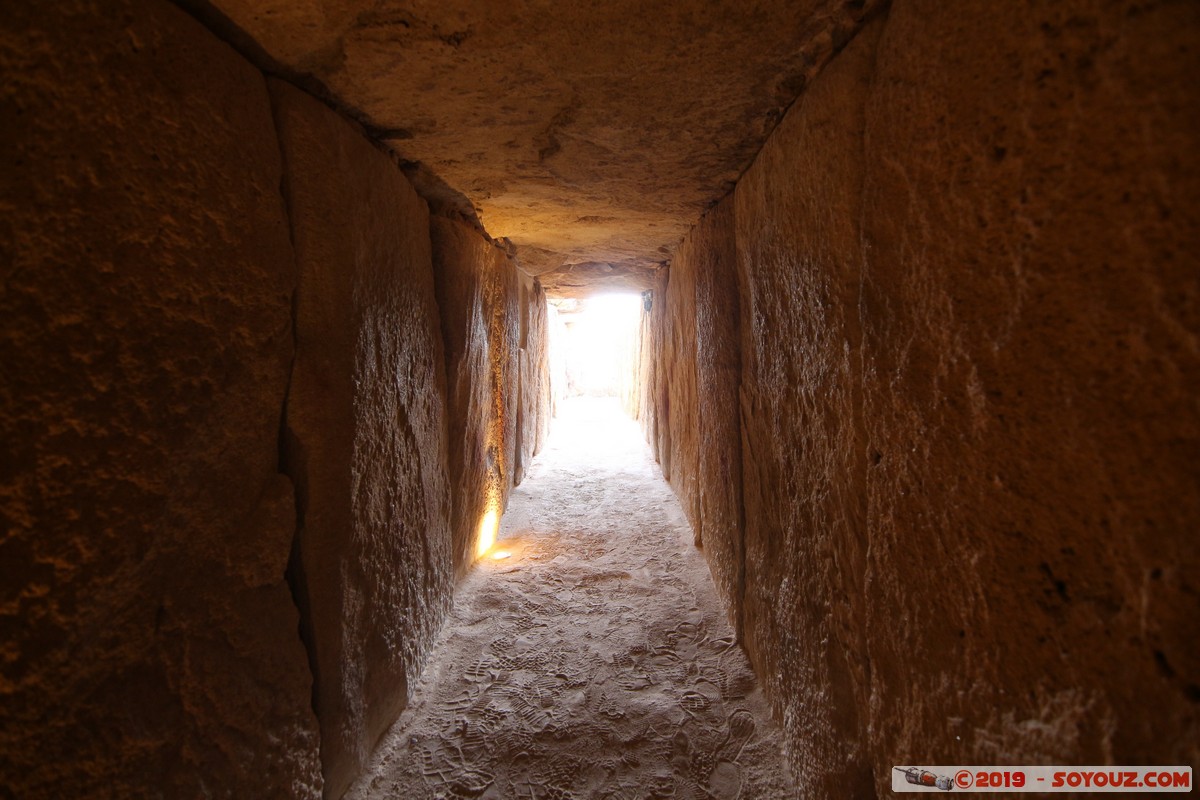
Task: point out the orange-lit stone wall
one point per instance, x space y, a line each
226 489
967 285
494 328
149 639
365 429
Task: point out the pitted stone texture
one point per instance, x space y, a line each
590 134
803 458
494 330
150 643
457 250
366 430
718 373
969 320
682 411
654 411
533 413
1031 312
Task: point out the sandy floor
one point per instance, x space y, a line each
594 661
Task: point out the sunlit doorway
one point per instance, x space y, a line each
594 358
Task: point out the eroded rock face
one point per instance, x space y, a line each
533 386
968 369
150 642
1034 424
803 454
590 134
654 412
682 411
690 364
366 429
494 329
718 373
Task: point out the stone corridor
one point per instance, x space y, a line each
915 348
587 655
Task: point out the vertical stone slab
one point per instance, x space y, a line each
712 245
798 249
540 336
655 398
457 251
968 280
629 384
366 429
647 358
524 285
150 642
679 356
533 385
479 292
503 297
1031 219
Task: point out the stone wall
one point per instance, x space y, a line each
224 373
677 371
654 411
494 330
803 453
968 321
149 637
365 429
718 373
533 385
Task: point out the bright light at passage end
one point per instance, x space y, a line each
599 346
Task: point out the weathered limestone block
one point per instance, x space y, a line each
534 384
473 461
478 289
679 366
150 642
655 412
503 293
968 277
797 215
540 321
366 429
629 387
1031 223
711 246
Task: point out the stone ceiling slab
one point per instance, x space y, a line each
591 135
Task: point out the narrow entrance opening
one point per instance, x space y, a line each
594 358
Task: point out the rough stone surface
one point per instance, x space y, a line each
803 457
474 454
366 429
149 640
969 321
494 330
590 134
1031 313
678 356
533 385
593 660
653 412
969 324
718 373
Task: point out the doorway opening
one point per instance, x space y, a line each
594 357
